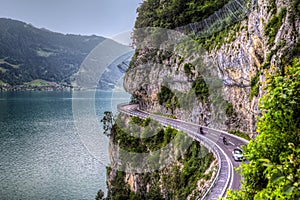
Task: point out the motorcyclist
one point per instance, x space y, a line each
201 130
224 140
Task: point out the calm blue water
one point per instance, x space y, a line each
41 156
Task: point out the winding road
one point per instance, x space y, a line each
226 177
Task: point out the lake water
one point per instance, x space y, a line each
41 153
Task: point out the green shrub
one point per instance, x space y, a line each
272 8
273 25
136 120
265 65
167 98
272 170
200 88
254 84
178 180
229 110
175 13
188 67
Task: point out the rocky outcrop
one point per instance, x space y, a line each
234 61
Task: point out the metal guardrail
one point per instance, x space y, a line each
217 156
215 149
212 146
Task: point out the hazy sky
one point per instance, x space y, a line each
85 17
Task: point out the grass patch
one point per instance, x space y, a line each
2 83
43 53
38 83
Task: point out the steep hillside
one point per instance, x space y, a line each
28 53
149 161
235 57
218 77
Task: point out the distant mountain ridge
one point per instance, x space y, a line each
28 53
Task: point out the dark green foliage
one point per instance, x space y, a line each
188 67
269 55
119 190
229 109
254 84
107 121
126 141
265 65
167 97
200 88
195 162
180 60
146 122
274 24
147 13
136 120
154 193
175 13
174 182
272 8
164 95
41 54
216 40
138 144
292 52
180 183
274 155
100 195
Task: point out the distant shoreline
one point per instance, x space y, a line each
48 88
35 88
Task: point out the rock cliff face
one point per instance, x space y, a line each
236 57
215 81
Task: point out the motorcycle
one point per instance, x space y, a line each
225 141
201 131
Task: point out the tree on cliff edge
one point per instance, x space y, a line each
273 171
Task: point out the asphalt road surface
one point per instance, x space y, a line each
227 177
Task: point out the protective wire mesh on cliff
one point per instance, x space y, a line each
231 13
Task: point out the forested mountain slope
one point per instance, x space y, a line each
28 53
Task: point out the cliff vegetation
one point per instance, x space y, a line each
249 69
187 176
273 171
